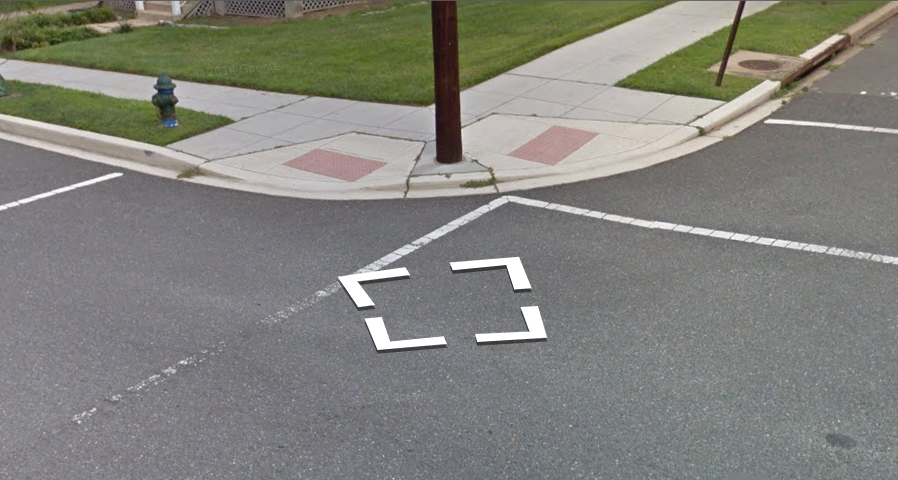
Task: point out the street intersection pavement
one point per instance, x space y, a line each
668 354
729 314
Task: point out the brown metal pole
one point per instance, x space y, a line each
726 54
445 76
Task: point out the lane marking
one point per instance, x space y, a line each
388 259
297 307
838 126
59 190
711 233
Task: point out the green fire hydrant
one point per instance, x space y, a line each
165 100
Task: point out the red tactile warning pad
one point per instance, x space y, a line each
553 145
335 165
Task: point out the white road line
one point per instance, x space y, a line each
838 126
292 310
388 259
60 190
710 233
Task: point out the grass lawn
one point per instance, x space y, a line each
787 28
131 119
7 7
385 57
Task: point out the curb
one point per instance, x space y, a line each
815 57
869 22
839 42
738 106
170 160
725 115
142 153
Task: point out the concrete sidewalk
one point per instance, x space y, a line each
555 115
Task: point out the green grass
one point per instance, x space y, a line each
383 57
7 7
131 119
787 28
479 183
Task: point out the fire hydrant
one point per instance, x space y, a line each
165 100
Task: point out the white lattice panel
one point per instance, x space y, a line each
204 8
255 8
315 5
123 6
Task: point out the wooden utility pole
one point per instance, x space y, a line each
729 49
445 78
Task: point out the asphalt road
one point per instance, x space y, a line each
153 329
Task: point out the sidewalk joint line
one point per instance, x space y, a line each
52 193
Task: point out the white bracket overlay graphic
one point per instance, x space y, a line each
514 266
535 329
352 284
383 343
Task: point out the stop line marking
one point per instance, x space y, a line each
51 193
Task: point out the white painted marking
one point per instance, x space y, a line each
383 343
863 93
59 190
352 284
81 417
519 281
743 238
535 330
316 297
392 257
859 128
388 259
152 380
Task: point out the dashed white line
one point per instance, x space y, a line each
839 126
387 259
288 312
59 190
